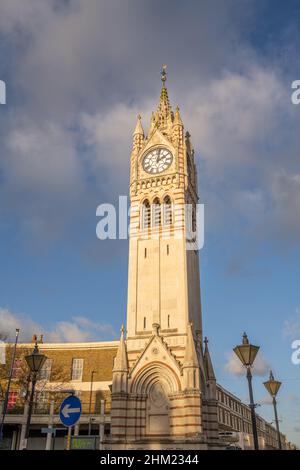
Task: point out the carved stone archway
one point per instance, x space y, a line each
156 381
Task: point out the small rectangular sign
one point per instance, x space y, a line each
48 430
84 442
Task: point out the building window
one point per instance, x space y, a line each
145 252
168 321
77 369
145 323
168 250
45 371
12 399
168 216
146 214
156 213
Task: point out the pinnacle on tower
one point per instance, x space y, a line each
121 363
139 128
190 356
208 362
138 134
177 118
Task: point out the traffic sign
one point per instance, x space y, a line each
48 430
70 410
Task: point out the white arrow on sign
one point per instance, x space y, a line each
66 411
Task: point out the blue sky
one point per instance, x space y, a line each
77 74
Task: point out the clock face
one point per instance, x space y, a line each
158 160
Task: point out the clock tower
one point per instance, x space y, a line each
164 388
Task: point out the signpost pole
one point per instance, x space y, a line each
69 438
50 425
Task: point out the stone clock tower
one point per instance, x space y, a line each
164 387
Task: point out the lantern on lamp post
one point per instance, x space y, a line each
273 386
35 362
246 353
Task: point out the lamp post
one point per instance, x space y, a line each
90 402
273 386
246 353
5 404
35 361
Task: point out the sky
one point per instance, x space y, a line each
77 74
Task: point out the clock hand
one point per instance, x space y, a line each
158 156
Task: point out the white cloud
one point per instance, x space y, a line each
86 323
109 137
246 132
234 365
253 99
79 329
45 182
43 158
9 322
266 400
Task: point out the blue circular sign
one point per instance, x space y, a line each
70 410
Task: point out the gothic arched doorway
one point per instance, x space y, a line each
156 382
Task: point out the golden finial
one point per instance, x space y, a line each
163 74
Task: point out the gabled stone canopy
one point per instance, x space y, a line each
156 362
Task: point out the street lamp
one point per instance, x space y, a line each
35 362
246 353
273 386
90 402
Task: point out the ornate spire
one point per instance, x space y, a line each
177 118
121 363
138 135
190 356
210 374
177 129
139 128
164 109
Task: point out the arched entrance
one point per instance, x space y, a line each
156 382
